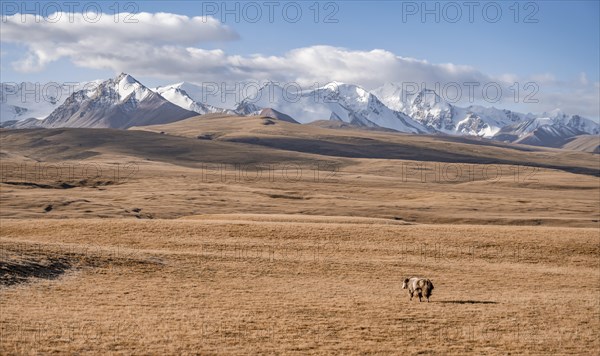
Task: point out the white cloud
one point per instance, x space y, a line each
98 41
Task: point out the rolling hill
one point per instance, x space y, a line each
354 142
217 164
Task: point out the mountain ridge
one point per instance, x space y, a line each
123 102
119 102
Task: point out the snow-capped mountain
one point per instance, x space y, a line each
334 101
548 129
393 96
552 129
19 101
121 102
573 121
431 110
513 132
30 123
550 136
178 94
554 135
485 122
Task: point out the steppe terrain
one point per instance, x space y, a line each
242 235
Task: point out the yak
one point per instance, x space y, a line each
421 286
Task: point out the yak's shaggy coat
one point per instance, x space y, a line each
421 286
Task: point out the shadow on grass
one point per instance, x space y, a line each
466 302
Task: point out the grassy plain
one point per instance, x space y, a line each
228 236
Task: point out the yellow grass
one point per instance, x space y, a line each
288 239
244 284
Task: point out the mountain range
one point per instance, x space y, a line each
123 102
334 101
27 100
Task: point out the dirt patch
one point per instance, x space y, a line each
206 137
41 185
27 262
286 196
21 270
64 185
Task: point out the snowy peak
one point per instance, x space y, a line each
431 110
428 98
351 95
120 102
392 96
552 130
556 120
577 122
424 106
334 101
20 101
347 91
188 96
555 114
123 101
556 135
583 124
128 87
182 99
121 89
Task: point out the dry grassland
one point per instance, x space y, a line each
242 284
226 236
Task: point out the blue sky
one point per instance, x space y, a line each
564 41
559 47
